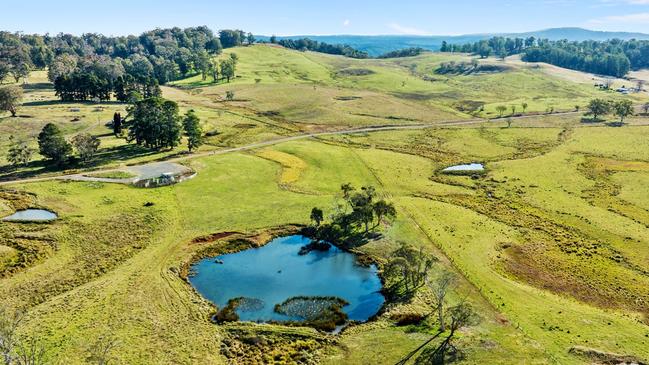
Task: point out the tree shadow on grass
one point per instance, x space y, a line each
38 86
102 158
589 120
71 103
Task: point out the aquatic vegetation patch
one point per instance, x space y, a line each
324 313
242 304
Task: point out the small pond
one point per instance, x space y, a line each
465 167
31 215
271 274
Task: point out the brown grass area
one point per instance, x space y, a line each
562 258
93 249
540 265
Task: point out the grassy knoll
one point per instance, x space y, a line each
314 91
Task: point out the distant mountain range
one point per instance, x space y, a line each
380 44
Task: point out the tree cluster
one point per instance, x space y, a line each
156 123
599 107
406 52
612 57
408 269
10 99
360 213
235 38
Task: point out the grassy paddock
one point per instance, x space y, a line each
549 246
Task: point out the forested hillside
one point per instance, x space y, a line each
94 66
612 57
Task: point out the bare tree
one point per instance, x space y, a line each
440 287
640 86
9 323
30 352
461 315
101 352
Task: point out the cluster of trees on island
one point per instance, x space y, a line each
354 220
613 57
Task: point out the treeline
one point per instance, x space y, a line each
95 66
613 57
306 44
406 52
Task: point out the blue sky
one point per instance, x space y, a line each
299 17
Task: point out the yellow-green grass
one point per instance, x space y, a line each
301 91
141 300
113 175
292 166
41 106
145 296
305 87
550 180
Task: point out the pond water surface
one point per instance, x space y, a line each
466 167
275 272
32 215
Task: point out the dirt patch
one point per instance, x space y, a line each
244 126
270 114
414 96
347 98
469 106
604 358
355 72
213 237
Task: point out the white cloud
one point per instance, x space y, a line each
407 30
347 22
637 18
618 3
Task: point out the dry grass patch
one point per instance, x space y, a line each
292 166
